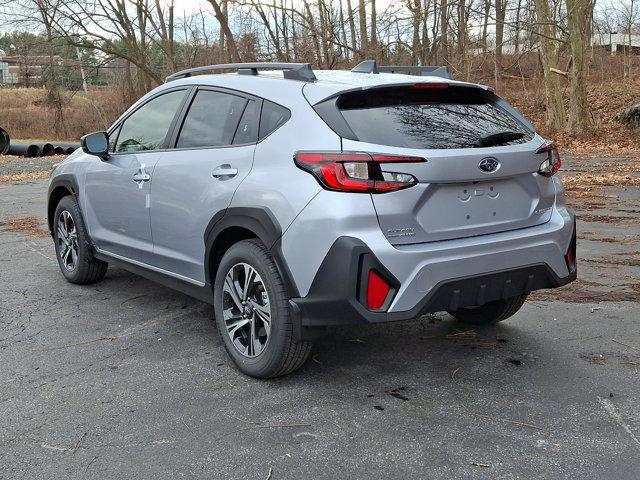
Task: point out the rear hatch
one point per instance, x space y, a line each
480 171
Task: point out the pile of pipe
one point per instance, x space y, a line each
34 149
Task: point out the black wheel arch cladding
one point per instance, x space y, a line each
258 220
57 188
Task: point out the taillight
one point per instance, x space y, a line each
377 291
552 164
356 171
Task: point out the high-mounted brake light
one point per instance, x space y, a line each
553 163
435 86
356 171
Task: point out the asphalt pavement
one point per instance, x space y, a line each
129 380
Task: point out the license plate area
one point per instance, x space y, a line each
468 209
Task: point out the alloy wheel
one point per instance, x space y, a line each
246 310
67 241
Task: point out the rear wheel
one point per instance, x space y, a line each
491 312
252 313
73 248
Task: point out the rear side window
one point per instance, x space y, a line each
431 118
273 117
212 120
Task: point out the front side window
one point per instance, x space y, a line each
212 120
112 139
147 127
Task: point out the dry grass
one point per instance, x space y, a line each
24 113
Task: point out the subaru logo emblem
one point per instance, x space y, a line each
489 165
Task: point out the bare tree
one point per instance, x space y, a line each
549 55
579 14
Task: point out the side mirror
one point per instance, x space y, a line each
96 143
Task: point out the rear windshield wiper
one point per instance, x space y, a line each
499 138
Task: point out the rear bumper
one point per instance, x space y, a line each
469 275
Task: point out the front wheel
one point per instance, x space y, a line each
491 312
73 248
252 313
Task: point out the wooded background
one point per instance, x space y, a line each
141 41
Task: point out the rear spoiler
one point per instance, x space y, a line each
370 66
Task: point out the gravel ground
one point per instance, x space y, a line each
127 379
11 165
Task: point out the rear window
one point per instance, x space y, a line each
433 118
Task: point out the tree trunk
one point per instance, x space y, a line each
578 18
444 31
516 40
424 51
224 26
343 32
364 42
314 32
374 28
501 9
549 53
352 25
416 11
485 24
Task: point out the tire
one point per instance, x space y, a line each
491 312
272 351
78 265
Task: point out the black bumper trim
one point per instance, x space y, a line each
333 297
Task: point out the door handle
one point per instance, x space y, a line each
141 176
224 171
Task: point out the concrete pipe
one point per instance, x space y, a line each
24 150
70 147
47 149
60 150
5 141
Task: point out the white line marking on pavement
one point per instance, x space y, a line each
610 408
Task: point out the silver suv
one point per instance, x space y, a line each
293 200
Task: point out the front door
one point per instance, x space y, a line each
117 190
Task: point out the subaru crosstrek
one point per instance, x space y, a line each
293 200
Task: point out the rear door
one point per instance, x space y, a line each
214 146
479 177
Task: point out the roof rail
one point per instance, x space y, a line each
370 66
292 71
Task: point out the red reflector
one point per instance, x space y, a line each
377 291
438 86
570 258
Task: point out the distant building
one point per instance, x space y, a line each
612 42
617 42
28 70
